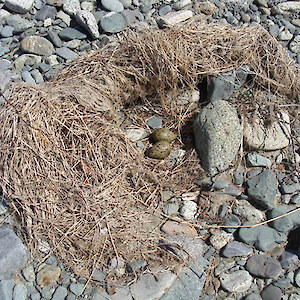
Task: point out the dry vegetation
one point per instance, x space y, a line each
74 179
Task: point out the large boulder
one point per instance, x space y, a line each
218 134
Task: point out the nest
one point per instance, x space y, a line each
75 181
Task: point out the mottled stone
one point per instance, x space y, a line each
19 6
36 45
171 228
236 282
87 21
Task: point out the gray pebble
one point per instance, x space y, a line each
47 292
253 297
113 22
27 77
271 292
76 288
20 292
297 277
71 7
233 220
282 283
163 10
171 207
289 260
18 23
35 296
112 5
6 289
232 190
44 67
6 31
46 12
60 293
73 297
154 122
290 188
239 175
66 53
256 160
220 184
69 33
55 39
234 249
136 265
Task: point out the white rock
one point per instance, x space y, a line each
88 21
173 18
284 34
48 22
188 210
71 7
64 17
273 137
248 212
52 60
4 14
89 6
290 6
19 6
236 282
295 44
136 134
190 196
221 239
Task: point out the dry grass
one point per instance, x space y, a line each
76 181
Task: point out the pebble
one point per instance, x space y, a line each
173 18
66 53
236 282
71 7
87 21
290 188
69 33
289 260
6 31
171 207
248 212
235 248
220 239
29 273
20 292
19 6
47 11
18 23
113 22
112 5
256 160
181 4
6 289
271 292
136 265
154 122
77 288
262 266
171 228
48 275
55 39
27 77
189 210
36 45
297 277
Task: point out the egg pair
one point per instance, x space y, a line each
162 138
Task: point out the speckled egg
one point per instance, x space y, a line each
163 134
160 150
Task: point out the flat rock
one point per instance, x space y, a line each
13 254
273 137
218 134
185 246
173 18
235 248
285 223
171 228
189 282
113 22
48 275
18 23
256 160
60 293
236 282
150 287
19 6
71 7
36 45
264 267
6 289
20 292
262 189
69 33
225 85
262 237
271 292
47 11
66 53
112 5
136 134
87 21
250 213
289 6
220 239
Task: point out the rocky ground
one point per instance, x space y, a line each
39 36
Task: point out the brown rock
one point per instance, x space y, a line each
206 7
48 275
171 228
36 45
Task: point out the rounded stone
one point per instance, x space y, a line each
112 5
297 278
271 292
236 282
36 45
48 275
113 22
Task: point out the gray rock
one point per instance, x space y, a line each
87 21
271 292
239 175
171 207
232 221
262 189
295 199
113 22
77 288
217 132
28 273
283 284
252 297
60 293
20 292
55 39
284 34
289 6
154 122
13 254
73 297
46 12
126 3
38 78
185 246
262 237
35 296
236 282
6 289
112 5
234 249
248 212
5 80
6 31
189 283
26 76
297 277
256 160
18 23
69 33
150 287
71 7
163 10
220 184
289 260
19 6
47 291
265 267
66 53
36 45
290 188
136 134
136 265
223 86
232 190
294 45
286 223
5 65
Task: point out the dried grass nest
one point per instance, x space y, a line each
74 179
